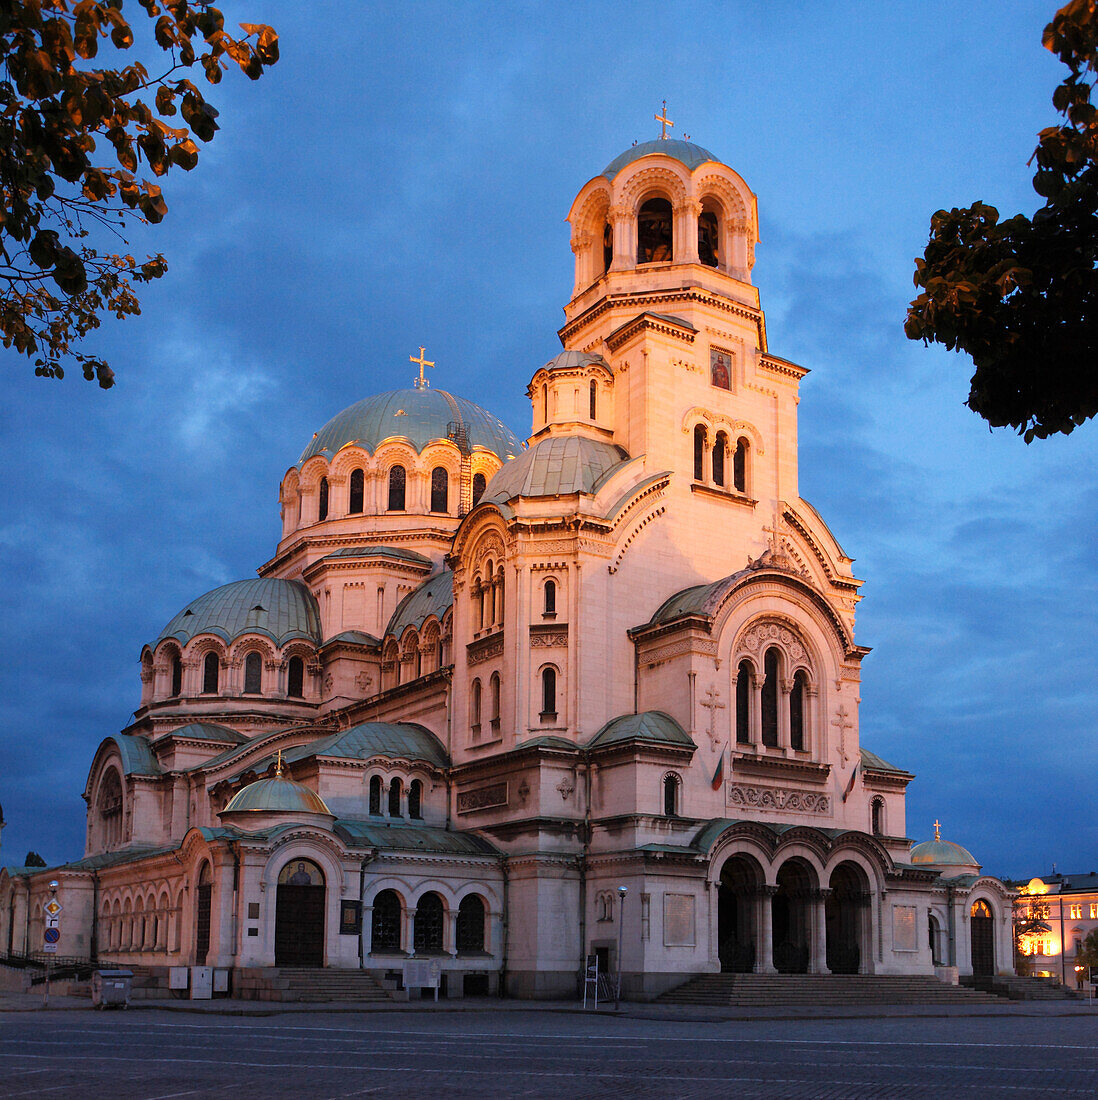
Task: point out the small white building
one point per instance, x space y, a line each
499 681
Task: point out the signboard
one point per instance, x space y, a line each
678 920
52 935
591 979
350 917
422 974
52 908
482 798
903 928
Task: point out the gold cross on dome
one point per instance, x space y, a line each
664 121
278 766
937 829
421 383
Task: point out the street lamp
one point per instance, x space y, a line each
622 891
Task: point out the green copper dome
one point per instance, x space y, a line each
683 151
942 853
278 795
420 416
556 466
280 610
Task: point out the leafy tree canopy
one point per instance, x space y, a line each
78 144
1088 956
1020 296
34 860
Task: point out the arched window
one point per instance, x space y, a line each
385 923
415 798
770 698
211 668
548 693
429 922
480 483
396 489
494 694
607 246
375 794
177 675
592 400
550 597
253 674
877 816
358 484
796 710
470 925
474 707
699 452
655 241
743 703
394 798
295 678
489 596
110 809
739 466
720 449
708 238
671 795
545 402
440 490
322 506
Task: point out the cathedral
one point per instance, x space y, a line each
507 706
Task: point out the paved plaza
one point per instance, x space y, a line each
161 1055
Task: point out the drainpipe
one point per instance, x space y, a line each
951 928
581 864
1063 946
234 847
367 858
503 930
636 677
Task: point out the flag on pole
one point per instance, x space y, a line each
850 784
718 775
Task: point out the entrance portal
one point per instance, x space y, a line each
790 918
843 911
299 915
737 897
983 940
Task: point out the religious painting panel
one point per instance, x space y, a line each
720 368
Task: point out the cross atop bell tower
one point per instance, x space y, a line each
664 121
421 382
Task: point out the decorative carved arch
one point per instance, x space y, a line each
640 185
717 422
767 629
312 472
350 458
725 192
593 208
250 643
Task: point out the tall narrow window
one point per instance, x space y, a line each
474 707
545 403
397 480
394 798
877 811
375 794
655 243
385 923
739 466
358 483
671 795
211 668
429 920
470 925
743 703
607 246
592 400
295 678
550 597
480 483
415 798
720 449
699 452
322 507
489 596
796 711
549 693
707 238
253 674
440 494
770 699
177 675
494 692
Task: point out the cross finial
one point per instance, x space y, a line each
664 121
421 383
278 766
937 829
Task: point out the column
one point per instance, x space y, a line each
764 957
817 963
755 711
785 689
686 232
624 224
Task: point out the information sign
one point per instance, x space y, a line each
591 979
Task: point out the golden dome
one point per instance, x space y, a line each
278 795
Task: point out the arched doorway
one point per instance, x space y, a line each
844 915
791 918
983 940
299 915
203 897
737 899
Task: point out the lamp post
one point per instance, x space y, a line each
622 891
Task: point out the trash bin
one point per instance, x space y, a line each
111 988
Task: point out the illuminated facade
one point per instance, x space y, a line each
1053 915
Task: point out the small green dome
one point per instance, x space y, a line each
942 853
280 610
683 151
420 416
556 466
435 596
279 795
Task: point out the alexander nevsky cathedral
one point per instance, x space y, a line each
482 685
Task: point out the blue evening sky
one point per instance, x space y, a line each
401 177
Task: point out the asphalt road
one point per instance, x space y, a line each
161 1056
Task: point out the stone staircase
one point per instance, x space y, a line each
1015 988
820 990
299 984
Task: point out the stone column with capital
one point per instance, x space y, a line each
764 958
624 224
686 232
817 962
785 689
